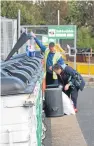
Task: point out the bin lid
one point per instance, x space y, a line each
20 73
52 86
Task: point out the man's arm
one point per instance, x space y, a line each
75 79
42 47
71 73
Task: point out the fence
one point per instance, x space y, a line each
84 62
8 36
87 66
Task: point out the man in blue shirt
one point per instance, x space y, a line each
51 57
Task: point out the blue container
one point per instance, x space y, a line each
30 53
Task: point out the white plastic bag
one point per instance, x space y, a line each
67 105
32 41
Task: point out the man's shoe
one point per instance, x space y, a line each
76 110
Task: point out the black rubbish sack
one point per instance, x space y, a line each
53 102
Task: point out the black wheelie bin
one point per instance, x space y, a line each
53 101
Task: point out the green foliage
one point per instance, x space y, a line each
80 13
84 39
30 13
72 13
50 9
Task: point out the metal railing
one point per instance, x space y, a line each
84 62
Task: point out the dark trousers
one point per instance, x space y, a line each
73 93
50 80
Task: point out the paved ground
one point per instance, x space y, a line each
85 119
85 115
64 131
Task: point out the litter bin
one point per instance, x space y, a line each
53 102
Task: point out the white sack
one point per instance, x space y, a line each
67 105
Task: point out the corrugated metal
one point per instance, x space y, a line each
8 36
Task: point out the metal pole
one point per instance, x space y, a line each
44 26
58 21
58 17
75 48
89 65
18 33
18 26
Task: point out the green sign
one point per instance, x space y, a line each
61 32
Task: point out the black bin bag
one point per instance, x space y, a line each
53 102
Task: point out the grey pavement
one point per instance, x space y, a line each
48 138
85 115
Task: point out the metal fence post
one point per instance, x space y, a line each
18 27
18 22
58 21
75 48
89 65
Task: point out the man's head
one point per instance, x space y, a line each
52 47
57 69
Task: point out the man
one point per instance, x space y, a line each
71 80
51 57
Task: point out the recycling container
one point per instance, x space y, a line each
53 102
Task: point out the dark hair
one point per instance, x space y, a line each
51 44
56 67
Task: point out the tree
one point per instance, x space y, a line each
49 11
80 13
29 11
84 38
86 10
73 14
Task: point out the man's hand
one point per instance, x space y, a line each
33 35
66 87
50 68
